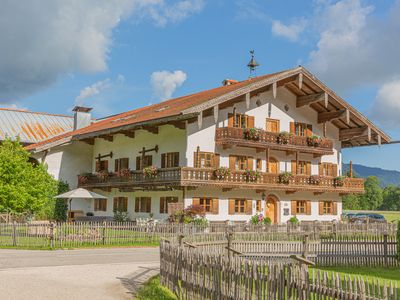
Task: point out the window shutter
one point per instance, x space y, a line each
176 159
196 201
196 163
321 208
334 208
308 171
138 163
163 163
162 205
231 206
148 204
115 201
309 130
230 120
105 165
216 160
294 167
215 206
250 122
293 208
97 166
320 169
116 165
124 163
232 160
292 128
137 200
249 207
250 163
334 170
308 207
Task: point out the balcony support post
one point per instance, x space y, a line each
297 162
267 159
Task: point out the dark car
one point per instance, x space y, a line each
362 218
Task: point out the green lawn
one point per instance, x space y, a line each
389 215
152 289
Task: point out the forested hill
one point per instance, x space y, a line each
386 177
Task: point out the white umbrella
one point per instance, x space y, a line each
82 194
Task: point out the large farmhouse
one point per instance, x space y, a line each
270 145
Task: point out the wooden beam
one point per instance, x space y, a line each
274 87
290 192
151 129
351 133
300 80
247 100
128 133
89 141
216 112
178 124
309 99
333 115
379 140
200 120
107 137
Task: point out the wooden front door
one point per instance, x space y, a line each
272 125
271 209
273 166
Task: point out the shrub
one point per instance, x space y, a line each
283 137
398 240
221 173
191 214
121 216
293 220
150 172
285 177
201 221
260 219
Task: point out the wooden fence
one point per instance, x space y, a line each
194 274
56 235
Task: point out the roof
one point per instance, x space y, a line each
192 105
32 127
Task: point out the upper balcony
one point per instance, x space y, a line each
196 177
230 136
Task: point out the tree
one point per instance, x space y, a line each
24 187
61 205
391 198
373 197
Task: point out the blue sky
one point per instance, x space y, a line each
117 55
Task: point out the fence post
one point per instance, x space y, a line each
51 235
229 237
180 239
103 238
334 229
305 246
385 248
14 234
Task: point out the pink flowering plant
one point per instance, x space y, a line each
259 219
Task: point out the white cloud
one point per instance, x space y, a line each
92 90
56 37
386 108
291 31
165 83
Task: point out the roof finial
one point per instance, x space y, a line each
252 65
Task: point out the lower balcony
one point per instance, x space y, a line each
196 177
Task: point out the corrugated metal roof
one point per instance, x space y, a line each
32 127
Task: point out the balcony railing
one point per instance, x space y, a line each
196 177
264 139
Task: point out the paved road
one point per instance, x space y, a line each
74 274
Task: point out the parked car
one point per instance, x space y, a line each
362 218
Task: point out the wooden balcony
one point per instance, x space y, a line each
196 177
229 136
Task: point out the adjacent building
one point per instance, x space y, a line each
269 145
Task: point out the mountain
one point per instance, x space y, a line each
386 177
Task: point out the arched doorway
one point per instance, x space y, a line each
271 208
273 166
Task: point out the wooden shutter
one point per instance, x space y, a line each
162 205
137 199
148 204
196 160
231 206
294 167
163 161
334 170
214 208
249 207
308 207
250 122
320 169
138 163
230 120
321 208
116 165
308 168
216 160
250 163
293 208
309 130
97 168
334 208
176 159
292 128
232 160
196 201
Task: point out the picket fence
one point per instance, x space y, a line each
192 273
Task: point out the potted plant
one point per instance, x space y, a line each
251 134
150 172
253 176
260 219
293 220
314 141
285 177
339 181
221 173
283 138
315 179
103 175
124 173
84 178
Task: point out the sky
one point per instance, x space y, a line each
117 55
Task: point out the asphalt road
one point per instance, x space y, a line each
74 274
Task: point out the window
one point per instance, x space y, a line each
210 204
240 162
121 164
301 207
205 160
259 164
240 121
303 168
327 208
300 129
101 165
120 204
143 204
164 203
100 204
328 169
240 206
148 161
170 160
258 205
273 125
206 203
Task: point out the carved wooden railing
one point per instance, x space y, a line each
270 139
187 176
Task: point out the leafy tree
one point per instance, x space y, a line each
61 205
24 187
391 198
351 202
373 196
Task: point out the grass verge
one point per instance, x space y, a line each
153 289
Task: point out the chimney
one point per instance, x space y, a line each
82 117
229 82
